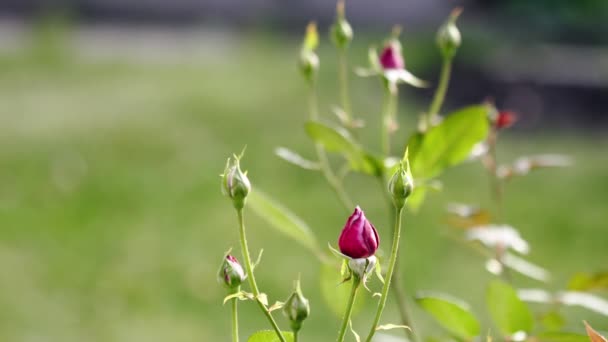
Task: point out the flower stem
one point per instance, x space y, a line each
389 273
344 94
331 178
389 113
444 80
349 308
235 318
295 336
251 277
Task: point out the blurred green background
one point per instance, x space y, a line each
113 226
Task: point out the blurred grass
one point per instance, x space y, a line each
113 224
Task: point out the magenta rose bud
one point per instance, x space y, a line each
231 273
359 238
391 57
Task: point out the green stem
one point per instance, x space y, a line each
295 336
235 319
389 274
344 94
331 178
389 113
349 308
251 277
444 80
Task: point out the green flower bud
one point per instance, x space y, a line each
309 64
401 184
235 183
341 31
231 273
448 36
296 308
309 61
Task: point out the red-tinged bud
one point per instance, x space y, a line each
391 57
505 119
359 238
231 273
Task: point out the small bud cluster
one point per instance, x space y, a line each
341 32
448 36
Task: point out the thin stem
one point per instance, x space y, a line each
235 318
344 94
251 277
349 308
295 336
389 113
389 273
331 178
444 80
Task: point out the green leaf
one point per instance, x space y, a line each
269 336
583 281
339 140
453 314
296 159
561 337
334 292
448 143
508 311
282 219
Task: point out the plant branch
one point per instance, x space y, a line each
389 274
389 113
235 318
251 277
444 80
331 178
349 308
344 93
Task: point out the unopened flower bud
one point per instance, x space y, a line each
448 36
341 31
235 183
359 238
391 57
309 64
231 273
363 266
505 119
296 308
401 186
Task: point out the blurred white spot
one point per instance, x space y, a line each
499 235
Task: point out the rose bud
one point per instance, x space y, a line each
448 36
362 267
391 57
235 183
231 273
309 61
296 308
401 185
359 238
505 119
341 31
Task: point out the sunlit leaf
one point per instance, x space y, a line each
282 219
335 292
499 235
594 336
583 281
392 326
508 311
277 305
552 320
525 267
554 336
241 295
296 159
339 140
452 314
269 336
448 143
